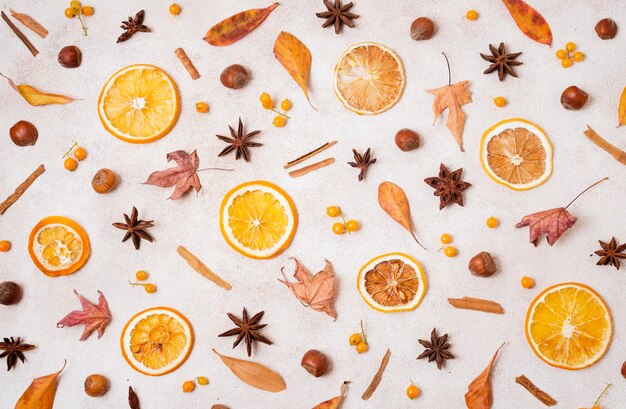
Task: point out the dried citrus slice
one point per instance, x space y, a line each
569 326
258 219
157 341
58 246
139 104
392 282
516 153
369 78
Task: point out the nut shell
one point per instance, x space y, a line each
482 265
96 385
10 293
70 57
104 181
407 140
234 77
574 98
23 133
315 362
422 28
219 407
606 29
624 369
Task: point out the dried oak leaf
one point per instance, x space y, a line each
553 223
478 394
183 177
93 317
452 97
315 291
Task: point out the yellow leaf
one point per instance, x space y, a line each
40 393
35 97
296 59
621 111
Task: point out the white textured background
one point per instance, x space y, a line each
193 221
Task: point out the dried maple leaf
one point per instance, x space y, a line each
183 177
93 317
478 394
452 97
315 291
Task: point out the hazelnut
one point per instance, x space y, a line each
315 362
606 29
407 140
219 407
104 181
574 98
234 77
422 28
482 265
70 56
96 385
624 369
23 133
10 293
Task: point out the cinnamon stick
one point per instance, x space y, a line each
476 304
378 377
30 23
21 189
309 155
20 35
535 391
184 59
315 166
611 149
201 268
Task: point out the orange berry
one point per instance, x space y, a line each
578 56
80 153
174 9
279 121
499 102
265 99
202 107
353 225
446 238
70 13
339 228
450 251
492 222
332 211
561 54
471 15
566 63
285 105
361 347
355 339
5 245
570 47
202 380
150 288
188 386
70 164
141 275
87 11
527 282
412 391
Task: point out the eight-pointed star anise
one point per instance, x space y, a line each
13 350
437 349
501 61
247 329
337 15
240 142
362 162
448 186
611 253
133 25
135 228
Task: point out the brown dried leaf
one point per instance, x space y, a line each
393 200
553 222
93 317
315 291
452 97
35 97
255 375
335 402
40 393
133 399
478 394
184 176
296 59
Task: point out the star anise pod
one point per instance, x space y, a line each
13 350
337 15
362 162
135 228
239 142
437 349
611 253
247 329
132 26
501 61
448 186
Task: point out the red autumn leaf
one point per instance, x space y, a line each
93 317
553 223
184 176
315 291
529 21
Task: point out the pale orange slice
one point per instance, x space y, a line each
58 246
157 341
258 219
517 154
392 282
139 104
369 78
569 326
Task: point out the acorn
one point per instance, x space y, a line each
407 140
23 133
104 181
234 77
10 293
482 265
606 29
70 57
422 28
96 385
574 98
315 362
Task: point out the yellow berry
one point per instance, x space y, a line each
578 56
332 211
353 225
80 153
69 13
75 5
87 11
202 107
174 9
285 105
150 288
471 15
446 238
570 47
499 102
202 380
70 164
527 282
5 245
355 339
361 347
188 386
265 98
492 222
141 275
338 228
279 121
412 391
566 63
450 251
560 54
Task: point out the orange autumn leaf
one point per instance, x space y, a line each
40 393
478 394
237 26
315 291
621 110
452 97
35 97
335 402
529 21
295 57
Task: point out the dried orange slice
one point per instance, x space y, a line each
258 219
157 341
392 282
517 154
58 246
369 78
139 104
569 326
